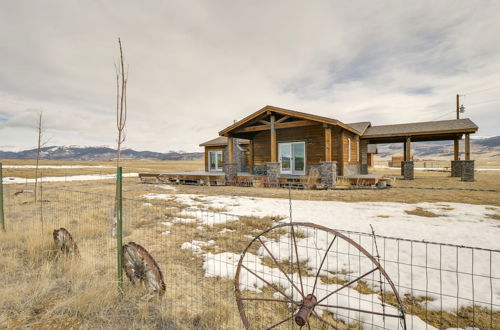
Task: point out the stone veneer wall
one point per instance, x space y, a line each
408 170
456 168
328 173
273 172
467 170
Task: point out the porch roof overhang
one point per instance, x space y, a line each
244 125
423 131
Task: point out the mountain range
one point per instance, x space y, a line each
96 153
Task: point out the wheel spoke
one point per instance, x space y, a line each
360 310
321 265
297 257
347 284
315 315
276 262
280 322
273 300
263 280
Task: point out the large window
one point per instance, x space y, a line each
215 160
292 157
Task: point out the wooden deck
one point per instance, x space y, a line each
219 179
245 179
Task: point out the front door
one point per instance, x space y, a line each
292 156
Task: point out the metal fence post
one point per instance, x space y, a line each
119 219
2 223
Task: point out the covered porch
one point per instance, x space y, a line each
447 130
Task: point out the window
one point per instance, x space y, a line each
348 149
292 157
215 160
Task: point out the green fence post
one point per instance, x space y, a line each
119 219
2 224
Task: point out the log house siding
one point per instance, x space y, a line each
314 137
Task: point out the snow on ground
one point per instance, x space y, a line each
225 265
418 265
59 166
87 177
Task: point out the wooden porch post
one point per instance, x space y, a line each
404 151
328 143
230 151
455 149
467 146
274 152
250 156
408 149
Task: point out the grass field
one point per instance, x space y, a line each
43 290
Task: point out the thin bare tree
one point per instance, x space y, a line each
121 102
121 118
41 143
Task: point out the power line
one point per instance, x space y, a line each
483 90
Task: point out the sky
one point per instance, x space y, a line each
196 66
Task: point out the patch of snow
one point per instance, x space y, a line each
165 186
147 204
89 177
59 166
225 230
166 223
166 232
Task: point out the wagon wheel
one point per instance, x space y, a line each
326 287
140 266
64 241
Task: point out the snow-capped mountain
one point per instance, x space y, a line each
96 153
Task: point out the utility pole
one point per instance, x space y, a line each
456 142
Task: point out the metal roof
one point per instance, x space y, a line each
221 141
441 126
360 127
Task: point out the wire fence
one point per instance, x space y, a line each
207 257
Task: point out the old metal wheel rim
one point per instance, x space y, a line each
285 299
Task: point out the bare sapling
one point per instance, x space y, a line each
121 118
41 143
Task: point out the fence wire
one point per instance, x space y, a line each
198 249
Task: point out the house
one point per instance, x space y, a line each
283 143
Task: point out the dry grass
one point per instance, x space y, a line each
421 212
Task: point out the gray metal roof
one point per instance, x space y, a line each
360 127
221 141
422 127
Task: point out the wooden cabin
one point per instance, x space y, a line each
300 142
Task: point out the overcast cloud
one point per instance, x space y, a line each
195 66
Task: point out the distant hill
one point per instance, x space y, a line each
96 153
480 148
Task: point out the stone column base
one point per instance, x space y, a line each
328 173
231 172
407 168
456 168
273 173
363 168
467 170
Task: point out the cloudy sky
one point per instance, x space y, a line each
195 66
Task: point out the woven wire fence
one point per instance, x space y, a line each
198 248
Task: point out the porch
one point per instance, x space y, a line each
245 179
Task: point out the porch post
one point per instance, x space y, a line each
274 152
230 168
250 156
467 146
455 149
456 163
230 150
328 144
407 166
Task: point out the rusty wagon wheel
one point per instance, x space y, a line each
64 241
296 275
140 266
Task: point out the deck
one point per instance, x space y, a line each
251 180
